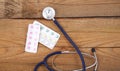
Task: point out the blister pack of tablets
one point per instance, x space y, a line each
37 32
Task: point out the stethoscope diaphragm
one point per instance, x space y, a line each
48 13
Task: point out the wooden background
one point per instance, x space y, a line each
90 23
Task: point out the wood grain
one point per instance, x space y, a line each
2 7
14 58
13 8
66 8
86 32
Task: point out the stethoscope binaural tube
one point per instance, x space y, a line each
94 56
44 62
49 13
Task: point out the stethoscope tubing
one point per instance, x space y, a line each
72 43
44 62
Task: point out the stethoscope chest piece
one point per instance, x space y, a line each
48 13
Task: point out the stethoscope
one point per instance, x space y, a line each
49 14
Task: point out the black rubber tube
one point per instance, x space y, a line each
72 43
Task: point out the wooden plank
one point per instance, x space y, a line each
14 58
2 7
86 32
13 8
66 8
101 33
